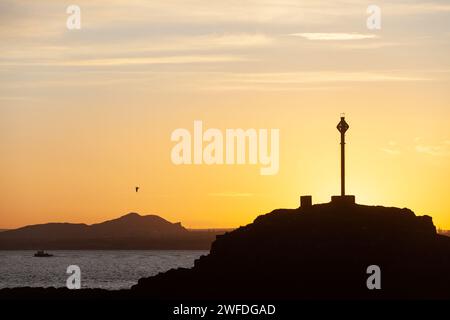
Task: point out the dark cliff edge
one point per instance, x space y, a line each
317 252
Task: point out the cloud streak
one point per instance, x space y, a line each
392 148
230 194
439 150
111 62
317 36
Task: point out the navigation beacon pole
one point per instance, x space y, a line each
342 127
343 199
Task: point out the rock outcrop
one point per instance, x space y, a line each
319 252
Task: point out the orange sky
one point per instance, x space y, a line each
86 115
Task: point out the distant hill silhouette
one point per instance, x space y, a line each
315 252
131 231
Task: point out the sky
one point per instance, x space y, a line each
86 115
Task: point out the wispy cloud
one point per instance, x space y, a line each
372 45
100 75
334 36
418 8
230 194
167 45
436 149
130 61
319 77
439 150
392 148
6 98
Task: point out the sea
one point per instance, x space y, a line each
98 269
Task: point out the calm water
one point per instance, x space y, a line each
99 269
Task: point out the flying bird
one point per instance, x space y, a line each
137 189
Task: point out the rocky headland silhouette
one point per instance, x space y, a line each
317 251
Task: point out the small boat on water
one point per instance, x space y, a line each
42 253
